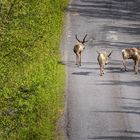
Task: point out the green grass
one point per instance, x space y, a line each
31 79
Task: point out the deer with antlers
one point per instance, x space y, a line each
78 49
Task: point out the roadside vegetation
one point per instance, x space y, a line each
31 79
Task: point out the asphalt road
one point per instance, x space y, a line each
102 107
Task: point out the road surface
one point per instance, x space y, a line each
102 107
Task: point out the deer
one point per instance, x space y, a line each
137 61
79 48
131 53
103 59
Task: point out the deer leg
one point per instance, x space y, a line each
124 64
76 59
80 59
136 67
101 70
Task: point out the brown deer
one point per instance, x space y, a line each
103 59
131 53
78 49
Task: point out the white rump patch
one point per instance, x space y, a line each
136 53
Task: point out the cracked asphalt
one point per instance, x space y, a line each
102 107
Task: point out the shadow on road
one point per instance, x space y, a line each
115 82
120 18
115 138
115 9
124 98
131 30
118 45
81 73
127 132
133 110
126 10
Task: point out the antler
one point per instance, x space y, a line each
78 39
84 39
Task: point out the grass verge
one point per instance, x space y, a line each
31 79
